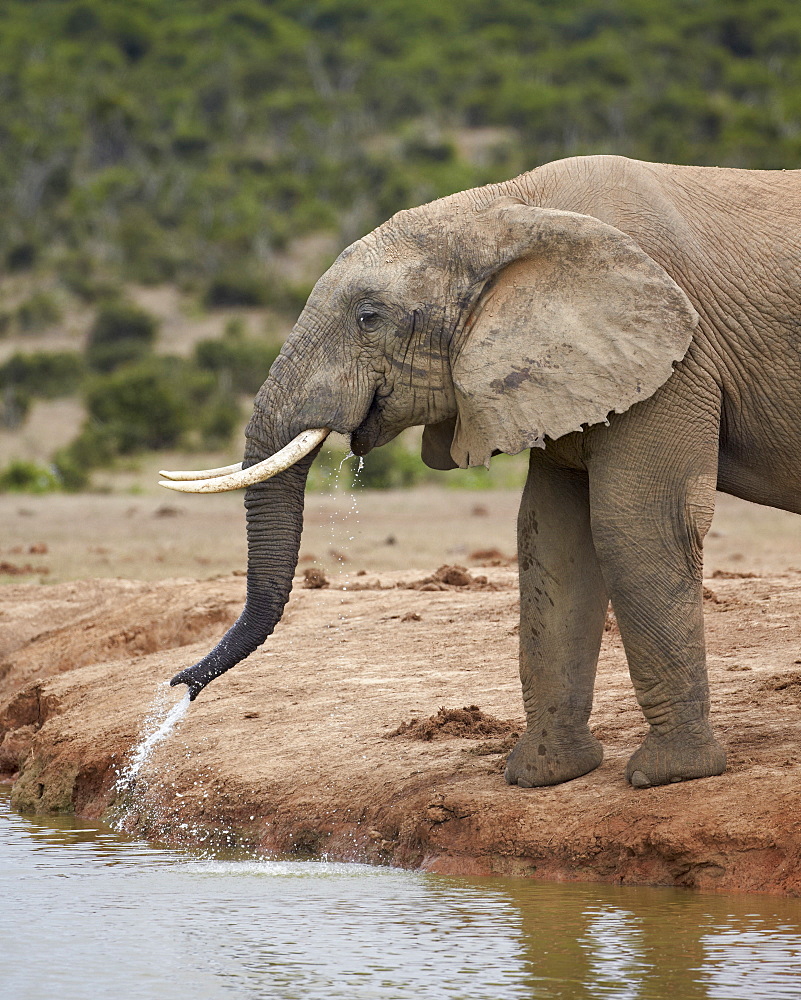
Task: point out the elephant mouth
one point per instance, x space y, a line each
366 435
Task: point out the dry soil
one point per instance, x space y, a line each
374 724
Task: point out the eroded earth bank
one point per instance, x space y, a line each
374 724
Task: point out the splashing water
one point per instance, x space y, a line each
158 732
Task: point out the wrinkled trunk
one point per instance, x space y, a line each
307 387
274 525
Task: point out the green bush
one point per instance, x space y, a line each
46 374
235 288
21 476
240 360
143 405
22 256
156 403
146 151
38 312
121 333
76 271
218 419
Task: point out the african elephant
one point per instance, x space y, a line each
638 327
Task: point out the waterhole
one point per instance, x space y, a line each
87 912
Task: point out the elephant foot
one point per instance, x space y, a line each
681 755
543 758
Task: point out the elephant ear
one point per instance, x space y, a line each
574 322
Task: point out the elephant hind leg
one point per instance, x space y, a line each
563 604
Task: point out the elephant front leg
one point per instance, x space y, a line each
648 527
563 604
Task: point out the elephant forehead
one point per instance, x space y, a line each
378 264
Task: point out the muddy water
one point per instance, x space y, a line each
87 912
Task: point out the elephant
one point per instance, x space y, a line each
637 327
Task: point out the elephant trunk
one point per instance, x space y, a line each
274 525
287 405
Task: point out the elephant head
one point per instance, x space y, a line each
496 324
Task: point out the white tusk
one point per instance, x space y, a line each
201 473
305 442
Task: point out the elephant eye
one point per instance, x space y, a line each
367 319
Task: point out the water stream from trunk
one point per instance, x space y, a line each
158 725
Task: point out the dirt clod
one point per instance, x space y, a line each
12 569
468 723
448 577
167 511
314 579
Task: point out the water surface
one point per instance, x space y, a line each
87 912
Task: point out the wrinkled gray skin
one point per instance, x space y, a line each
669 301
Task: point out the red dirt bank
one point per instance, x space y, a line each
324 741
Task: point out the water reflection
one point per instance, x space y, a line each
82 905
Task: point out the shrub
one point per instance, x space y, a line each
242 361
235 288
21 257
77 273
140 406
21 476
218 420
46 374
159 402
38 312
121 333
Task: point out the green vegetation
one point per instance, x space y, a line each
120 334
20 476
238 361
37 313
192 139
151 403
43 375
194 142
